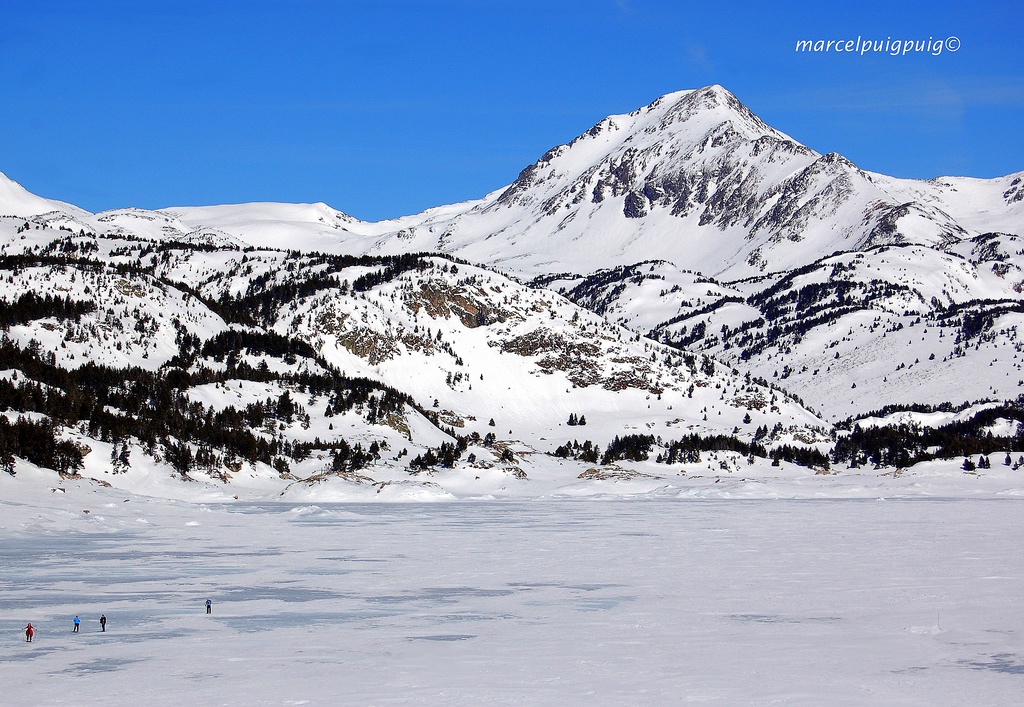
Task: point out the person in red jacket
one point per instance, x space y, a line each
29 633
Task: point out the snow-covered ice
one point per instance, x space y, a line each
535 601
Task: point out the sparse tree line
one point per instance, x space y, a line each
30 307
686 450
905 445
789 312
449 453
786 313
898 446
38 443
266 293
117 404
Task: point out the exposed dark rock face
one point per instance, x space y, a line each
635 205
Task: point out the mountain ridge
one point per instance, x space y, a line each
698 282
693 177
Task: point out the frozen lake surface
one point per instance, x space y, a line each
915 602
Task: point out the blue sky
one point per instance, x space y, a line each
385 108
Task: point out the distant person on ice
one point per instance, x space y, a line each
29 633
209 606
78 622
103 622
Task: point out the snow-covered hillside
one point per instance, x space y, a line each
849 333
247 365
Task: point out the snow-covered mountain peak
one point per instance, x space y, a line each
15 200
676 132
696 179
709 106
12 194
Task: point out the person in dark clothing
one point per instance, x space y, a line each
103 622
78 622
209 606
29 633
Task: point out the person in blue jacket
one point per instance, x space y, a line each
78 622
209 606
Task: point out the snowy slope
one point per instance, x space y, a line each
477 346
850 333
15 200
